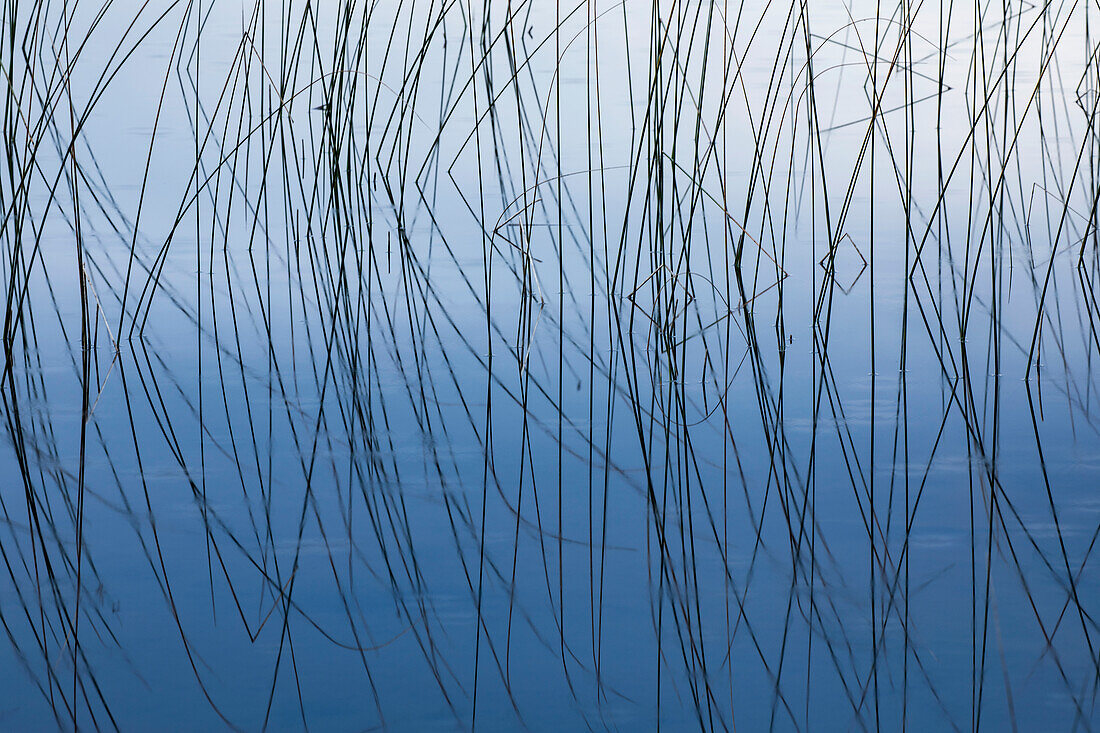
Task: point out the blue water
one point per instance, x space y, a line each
550 367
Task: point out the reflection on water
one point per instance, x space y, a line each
562 366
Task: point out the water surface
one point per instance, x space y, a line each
554 366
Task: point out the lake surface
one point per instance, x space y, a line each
436 365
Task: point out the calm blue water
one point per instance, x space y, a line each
428 366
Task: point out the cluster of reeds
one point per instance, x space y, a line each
611 364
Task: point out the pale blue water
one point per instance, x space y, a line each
467 375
